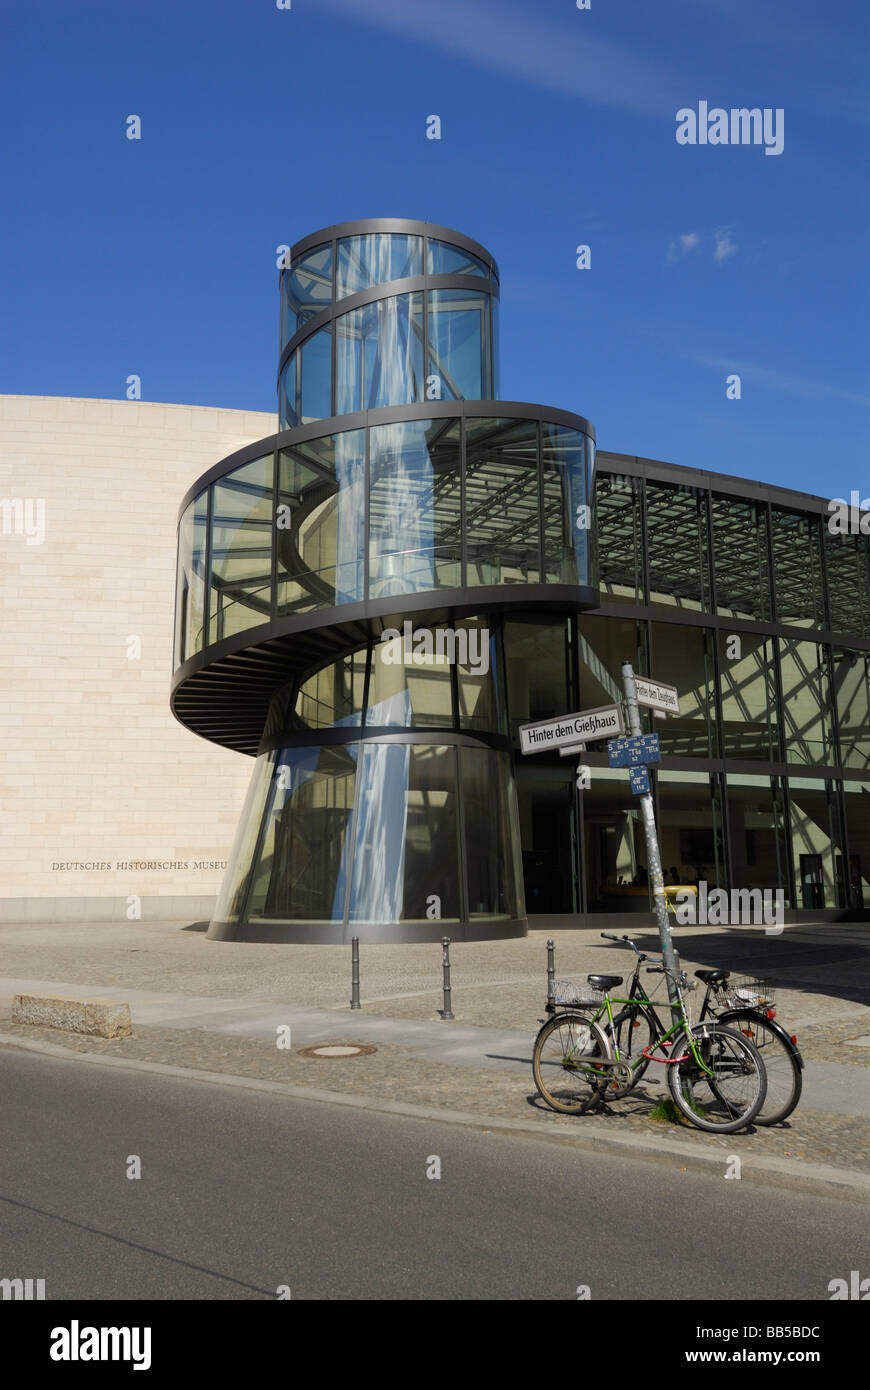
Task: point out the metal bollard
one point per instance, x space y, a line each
551 976
354 974
446 1012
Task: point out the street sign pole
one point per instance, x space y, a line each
670 959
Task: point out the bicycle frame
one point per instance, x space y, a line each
643 1001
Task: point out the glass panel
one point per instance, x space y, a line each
602 646
444 259
857 803
415 518
479 677
538 666
750 721
231 899
492 840
815 843
567 506
690 820
759 849
316 377
407 844
458 346
619 526
306 289
797 566
848 582
320 522
683 656
288 394
495 315
301 874
548 825
379 355
741 558
501 502
333 696
851 671
241 549
614 845
678 545
806 702
410 682
190 579
364 261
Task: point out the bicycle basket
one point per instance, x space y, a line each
567 994
748 992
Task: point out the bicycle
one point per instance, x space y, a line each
748 1004
716 1075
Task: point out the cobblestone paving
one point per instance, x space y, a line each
810 1136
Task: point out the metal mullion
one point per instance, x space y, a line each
366 516
206 617
789 852
463 515
539 463
273 576
464 900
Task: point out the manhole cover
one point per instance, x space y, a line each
337 1050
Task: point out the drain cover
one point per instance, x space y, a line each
337 1050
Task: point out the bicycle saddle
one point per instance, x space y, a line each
604 981
713 977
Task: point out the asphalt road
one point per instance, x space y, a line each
242 1192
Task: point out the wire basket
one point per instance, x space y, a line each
567 994
748 992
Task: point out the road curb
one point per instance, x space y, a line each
813 1178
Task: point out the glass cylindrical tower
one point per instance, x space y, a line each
343 588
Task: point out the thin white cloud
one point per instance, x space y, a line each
781 381
725 247
689 240
561 56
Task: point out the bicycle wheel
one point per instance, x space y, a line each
731 1098
563 1063
630 1032
784 1072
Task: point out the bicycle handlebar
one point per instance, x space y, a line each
608 936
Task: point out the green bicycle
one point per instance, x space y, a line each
716 1076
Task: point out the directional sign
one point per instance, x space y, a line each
603 722
638 780
655 695
631 752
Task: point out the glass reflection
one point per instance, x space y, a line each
458 346
316 377
241 549
364 261
444 259
415 521
320 522
566 510
190 579
305 289
288 394
502 504
619 525
379 355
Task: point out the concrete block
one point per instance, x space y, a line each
103 1018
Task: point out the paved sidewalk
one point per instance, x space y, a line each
215 1008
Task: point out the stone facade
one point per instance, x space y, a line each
94 770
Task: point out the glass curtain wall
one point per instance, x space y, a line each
619 513
806 702
379 355
856 799
816 844
502 501
678 546
415 500
692 831
320 522
851 676
241 549
747 685
190 579
758 833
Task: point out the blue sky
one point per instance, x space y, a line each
259 125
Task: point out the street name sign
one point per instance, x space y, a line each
638 780
656 695
603 722
631 752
